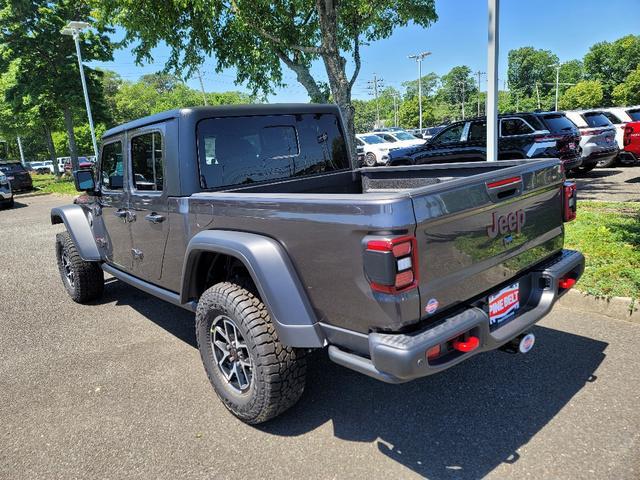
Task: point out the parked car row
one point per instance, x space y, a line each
582 139
374 147
17 175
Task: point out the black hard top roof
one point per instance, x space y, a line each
197 113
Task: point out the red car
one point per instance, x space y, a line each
83 162
631 139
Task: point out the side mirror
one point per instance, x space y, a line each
84 181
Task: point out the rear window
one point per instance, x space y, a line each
613 118
10 167
558 123
634 114
245 150
596 119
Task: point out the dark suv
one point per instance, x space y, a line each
521 136
17 175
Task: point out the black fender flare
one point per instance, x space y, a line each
77 225
274 275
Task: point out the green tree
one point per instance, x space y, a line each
628 93
258 37
47 76
528 66
585 94
611 62
458 87
430 83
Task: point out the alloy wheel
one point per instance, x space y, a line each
231 353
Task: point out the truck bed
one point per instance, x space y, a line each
322 223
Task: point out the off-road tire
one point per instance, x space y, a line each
370 160
278 371
88 278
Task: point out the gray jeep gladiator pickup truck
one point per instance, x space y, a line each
255 218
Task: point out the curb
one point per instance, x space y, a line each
29 195
621 308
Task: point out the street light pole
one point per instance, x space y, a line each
557 84
418 57
21 151
74 29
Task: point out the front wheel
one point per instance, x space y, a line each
256 377
83 281
370 160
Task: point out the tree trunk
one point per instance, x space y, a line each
303 75
335 66
73 150
52 149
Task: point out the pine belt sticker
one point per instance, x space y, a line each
432 306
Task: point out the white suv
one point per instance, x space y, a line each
597 138
376 150
620 116
400 138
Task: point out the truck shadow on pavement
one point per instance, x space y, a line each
461 423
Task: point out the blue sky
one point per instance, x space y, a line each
567 27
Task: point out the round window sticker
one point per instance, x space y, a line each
432 306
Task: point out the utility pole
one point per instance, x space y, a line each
74 29
557 67
21 152
493 50
373 89
418 57
463 115
538 95
204 95
479 73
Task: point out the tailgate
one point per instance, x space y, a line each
478 232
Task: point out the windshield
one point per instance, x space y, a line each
596 119
635 115
404 136
371 139
558 123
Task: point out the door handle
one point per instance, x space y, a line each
154 218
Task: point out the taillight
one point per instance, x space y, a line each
626 139
391 265
570 200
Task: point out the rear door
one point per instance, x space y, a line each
516 137
113 232
147 201
478 232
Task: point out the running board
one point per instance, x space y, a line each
151 289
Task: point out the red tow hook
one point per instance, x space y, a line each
566 282
467 346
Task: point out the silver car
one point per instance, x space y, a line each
598 138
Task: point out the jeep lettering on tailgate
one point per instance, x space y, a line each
503 224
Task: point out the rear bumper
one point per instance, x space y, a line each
597 154
571 162
398 358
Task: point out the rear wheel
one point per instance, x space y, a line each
370 160
83 281
254 375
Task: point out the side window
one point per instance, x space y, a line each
612 118
514 126
111 168
387 137
478 132
449 135
146 161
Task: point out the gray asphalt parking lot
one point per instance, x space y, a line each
117 390
615 184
